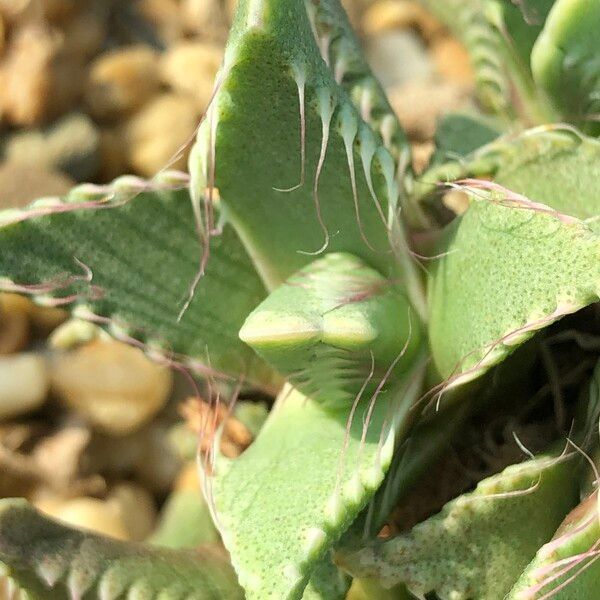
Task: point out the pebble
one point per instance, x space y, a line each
383 52
2 33
113 154
87 513
158 464
190 68
452 61
419 105
21 184
23 384
457 201
14 323
400 14
121 81
58 10
159 134
113 386
84 34
73 333
207 18
165 17
26 75
70 145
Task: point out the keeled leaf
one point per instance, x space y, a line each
291 495
478 544
280 120
511 268
52 561
125 255
567 567
566 63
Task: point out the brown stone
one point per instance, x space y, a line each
190 68
21 184
452 61
113 386
161 134
420 104
400 14
121 81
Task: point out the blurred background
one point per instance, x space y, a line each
91 431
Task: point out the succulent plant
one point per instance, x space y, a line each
303 254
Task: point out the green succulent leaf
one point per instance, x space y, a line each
566 63
328 330
342 51
52 561
371 589
518 267
556 165
185 521
327 582
478 544
563 173
125 256
460 134
291 495
299 172
521 23
567 567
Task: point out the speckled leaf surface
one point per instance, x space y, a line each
54 562
564 172
556 165
142 251
566 62
290 496
276 96
566 568
328 330
509 271
478 544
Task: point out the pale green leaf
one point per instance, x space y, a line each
566 568
566 62
478 544
53 561
137 243
510 269
291 495
277 101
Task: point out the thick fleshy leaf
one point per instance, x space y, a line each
555 165
511 268
521 22
280 120
327 582
458 135
566 568
563 173
478 544
291 495
52 561
371 589
342 50
328 330
125 256
566 63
